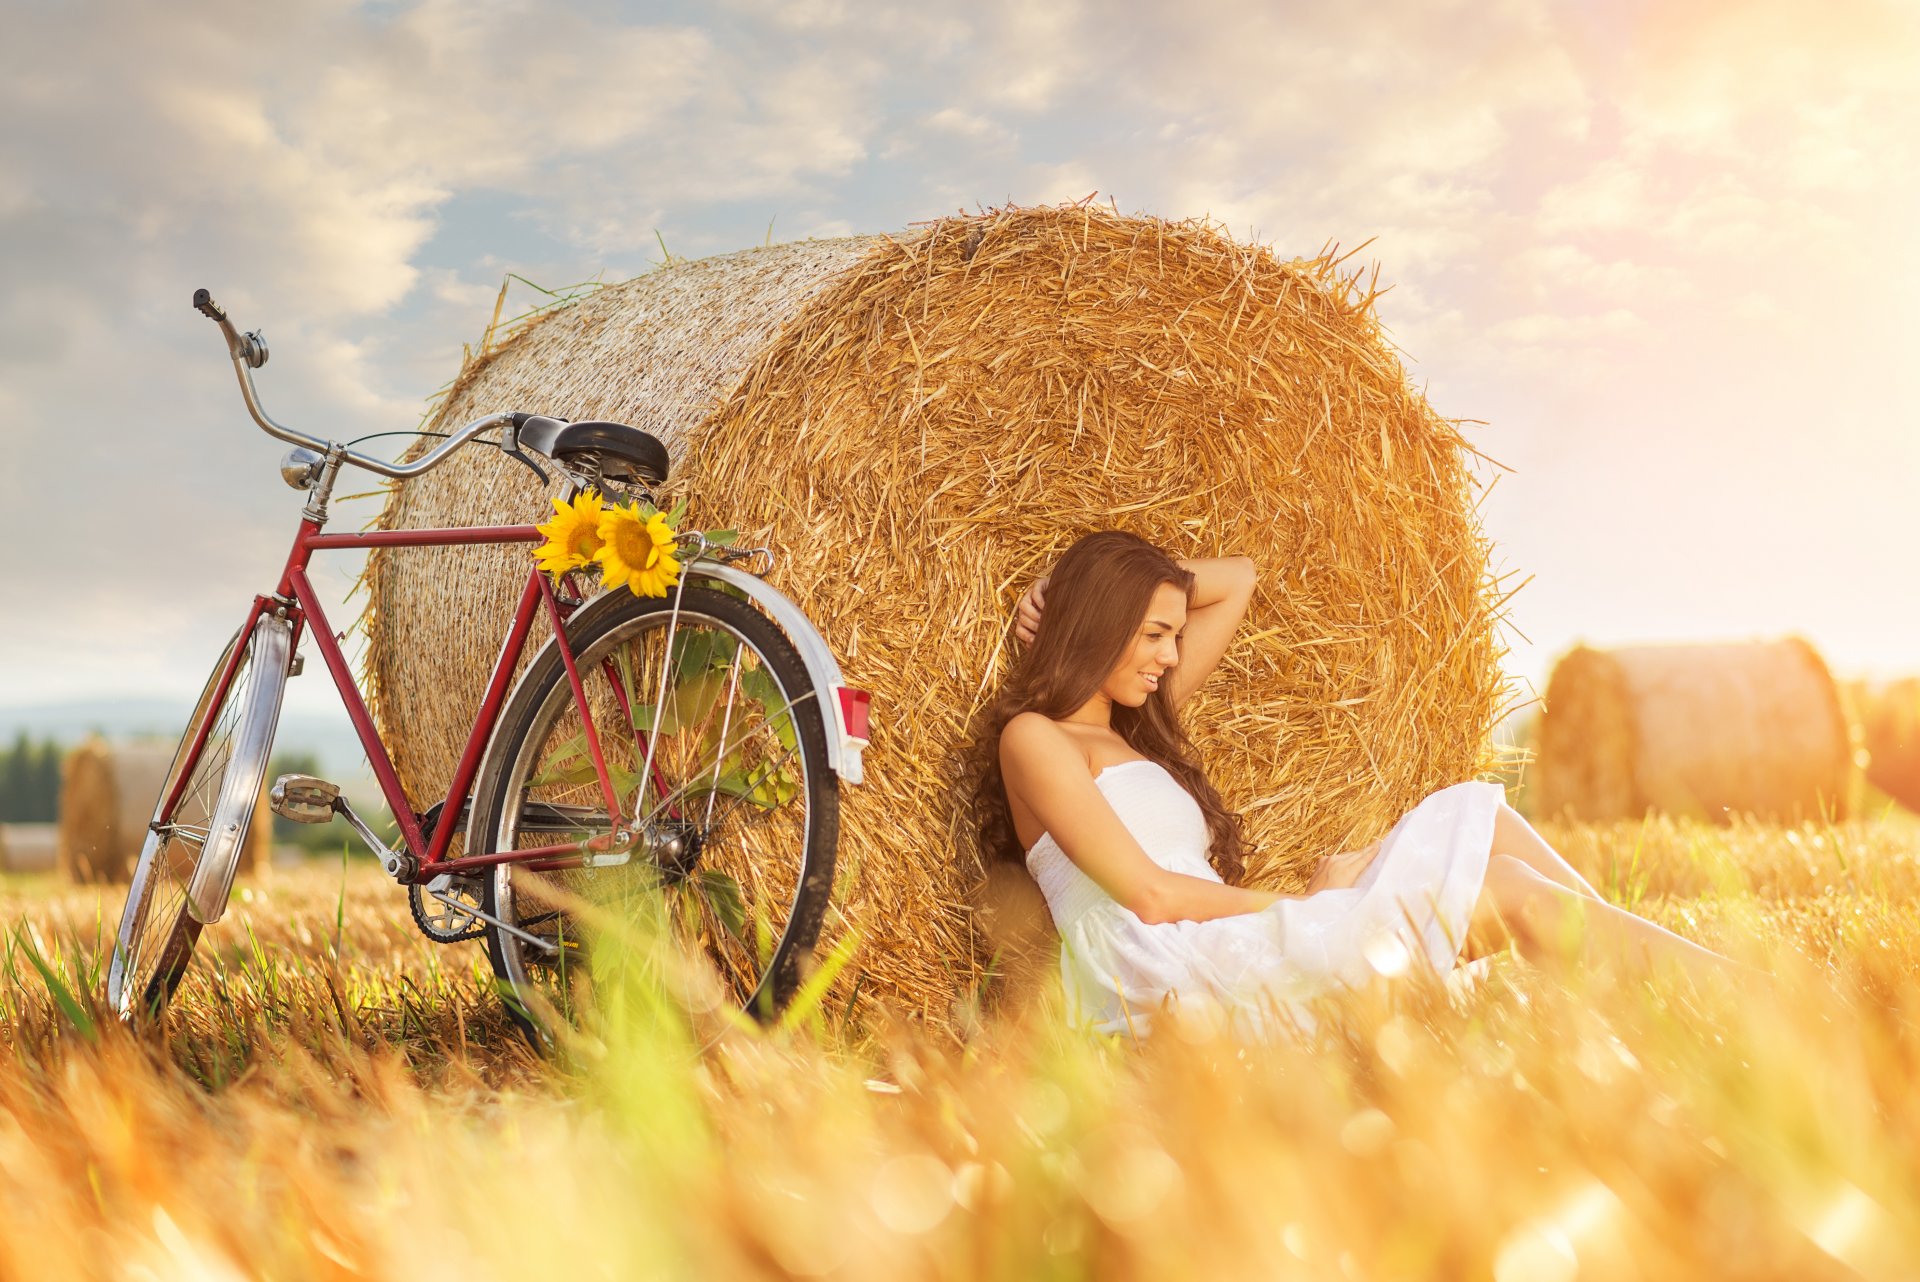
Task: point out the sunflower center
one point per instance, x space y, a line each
634 545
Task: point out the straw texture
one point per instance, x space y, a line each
107 795
1710 731
934 422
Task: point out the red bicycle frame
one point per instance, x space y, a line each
296 600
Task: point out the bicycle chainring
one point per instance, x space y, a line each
446 923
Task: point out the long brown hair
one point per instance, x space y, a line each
1095 601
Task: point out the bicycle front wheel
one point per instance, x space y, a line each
207 827
738 808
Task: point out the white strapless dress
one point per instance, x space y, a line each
1409 909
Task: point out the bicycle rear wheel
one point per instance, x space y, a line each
740 809
208 825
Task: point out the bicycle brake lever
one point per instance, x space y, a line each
510 443
518 453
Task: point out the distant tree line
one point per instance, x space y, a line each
30 781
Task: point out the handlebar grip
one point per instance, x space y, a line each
204 304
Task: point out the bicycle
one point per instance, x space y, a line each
573 792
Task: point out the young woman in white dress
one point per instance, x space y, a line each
1095 787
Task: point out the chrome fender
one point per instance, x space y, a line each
246 770
843 749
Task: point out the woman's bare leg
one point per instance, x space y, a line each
1514 836
1552 923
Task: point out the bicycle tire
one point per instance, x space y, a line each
758 854
158 929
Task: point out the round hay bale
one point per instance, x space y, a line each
1890 730
29 847
1709 731
919 425
107 795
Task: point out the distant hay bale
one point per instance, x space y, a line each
108 793
1709 731
28 847
920 425
1890 731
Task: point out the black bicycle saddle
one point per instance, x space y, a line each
625 453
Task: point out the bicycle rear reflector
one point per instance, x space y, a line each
853 711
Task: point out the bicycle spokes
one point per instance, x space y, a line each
720 811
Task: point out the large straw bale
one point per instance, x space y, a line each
107 795
935 419
1708 731
28 847
1890 729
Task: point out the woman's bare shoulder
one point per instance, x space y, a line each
1027 732
1033 741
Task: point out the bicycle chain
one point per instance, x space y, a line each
417 893
417 901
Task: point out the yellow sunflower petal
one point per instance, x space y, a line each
572 535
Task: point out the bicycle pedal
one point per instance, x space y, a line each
303 799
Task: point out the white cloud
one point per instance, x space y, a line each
962 124
1600 225
300 159
1561 329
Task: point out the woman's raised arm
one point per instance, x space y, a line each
1222 587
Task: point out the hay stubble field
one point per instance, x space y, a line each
333 1097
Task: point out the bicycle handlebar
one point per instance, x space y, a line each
249 352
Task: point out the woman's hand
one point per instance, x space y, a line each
1026 620
1343 869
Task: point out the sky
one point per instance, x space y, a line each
1662 256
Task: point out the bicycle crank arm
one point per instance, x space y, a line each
398 864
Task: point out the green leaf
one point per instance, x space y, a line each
768 790
569 763
573 767
723 897
698 650
762 689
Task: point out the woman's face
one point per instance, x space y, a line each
1155 649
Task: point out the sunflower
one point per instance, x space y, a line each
573 535
636 549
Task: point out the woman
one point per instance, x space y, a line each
1090 779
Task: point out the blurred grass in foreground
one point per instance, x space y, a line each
336 1098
